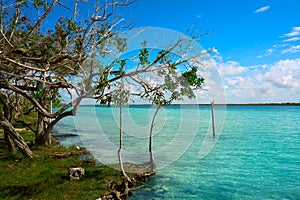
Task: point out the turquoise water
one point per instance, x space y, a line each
255 156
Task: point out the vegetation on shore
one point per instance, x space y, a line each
46 177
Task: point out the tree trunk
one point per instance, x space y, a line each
120 148
7 108
126 178
16 138
39 129
44 137
152 161
9 141
42 132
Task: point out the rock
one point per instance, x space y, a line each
20 129
75 173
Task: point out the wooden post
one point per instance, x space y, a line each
213 118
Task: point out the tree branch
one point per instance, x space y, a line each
38 23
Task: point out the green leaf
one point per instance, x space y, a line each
144 57
192 78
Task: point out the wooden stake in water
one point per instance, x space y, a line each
213 118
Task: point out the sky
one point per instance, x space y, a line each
257 42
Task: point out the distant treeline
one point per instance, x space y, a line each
230 104
265 104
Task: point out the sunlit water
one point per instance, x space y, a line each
256 156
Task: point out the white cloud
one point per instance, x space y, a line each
293 49
231 68
288 45
292 34
283 74
296 28
295 32
293 39
277 82
270 51
264 66
262 9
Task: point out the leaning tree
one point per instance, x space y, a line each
42 53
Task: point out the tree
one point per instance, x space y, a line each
175 86
120 98
38 60
157 76
176 79
41 57
13 139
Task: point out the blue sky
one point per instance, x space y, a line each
258 42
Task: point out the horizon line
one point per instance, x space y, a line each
207 104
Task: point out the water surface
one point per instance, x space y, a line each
257 154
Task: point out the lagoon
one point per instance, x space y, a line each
256 154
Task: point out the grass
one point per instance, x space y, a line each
46 177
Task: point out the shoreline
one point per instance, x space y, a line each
216 104
99 181
139 173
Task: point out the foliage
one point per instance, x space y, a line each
174 79
43 55
46 176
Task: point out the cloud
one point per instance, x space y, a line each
283 74
293 39
297 28
231 68
292 34
262 9
295 32
288 45
240 82
271 51
293 49
277 82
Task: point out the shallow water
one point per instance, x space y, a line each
256 154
